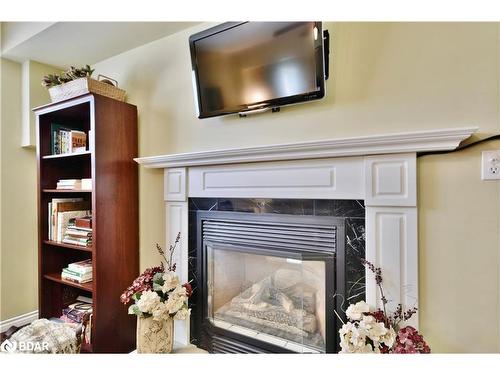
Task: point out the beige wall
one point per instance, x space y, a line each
385 78
18 246
459 252
34 95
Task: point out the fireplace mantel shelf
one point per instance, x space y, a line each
419 141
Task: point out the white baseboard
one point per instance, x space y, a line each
18 321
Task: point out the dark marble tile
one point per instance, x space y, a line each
355 236
287 206
348 208
323 207
355 252
205 204
339 208
261 206
242 205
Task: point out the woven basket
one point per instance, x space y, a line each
86 85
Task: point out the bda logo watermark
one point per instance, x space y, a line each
8 346
11 347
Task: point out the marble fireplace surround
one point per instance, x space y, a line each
381 170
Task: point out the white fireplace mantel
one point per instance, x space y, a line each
420 141
381 170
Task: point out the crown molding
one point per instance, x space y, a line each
419 141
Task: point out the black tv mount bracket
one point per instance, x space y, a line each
259 110
326 52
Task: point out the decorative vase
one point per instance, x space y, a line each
154 336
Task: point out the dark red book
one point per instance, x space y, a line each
83 222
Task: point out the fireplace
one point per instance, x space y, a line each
270 282
378 170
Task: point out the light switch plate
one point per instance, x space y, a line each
490 165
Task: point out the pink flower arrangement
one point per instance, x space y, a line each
142 283
409 341
157 292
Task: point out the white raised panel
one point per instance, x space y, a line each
391 180
391 243
175 184
340 178
177 222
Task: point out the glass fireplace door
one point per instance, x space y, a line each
273 296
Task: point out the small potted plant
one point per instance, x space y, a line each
159 298
78 81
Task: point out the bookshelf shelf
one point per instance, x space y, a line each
111 128
67 245
57 278
68 155
63 191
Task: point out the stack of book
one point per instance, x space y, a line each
79 231
78 272
61 211
65 140
77 311
75 184
80 312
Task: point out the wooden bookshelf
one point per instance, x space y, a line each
111 128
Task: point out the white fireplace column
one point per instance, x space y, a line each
381 170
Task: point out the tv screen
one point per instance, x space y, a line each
241 67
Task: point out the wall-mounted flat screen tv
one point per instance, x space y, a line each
239 67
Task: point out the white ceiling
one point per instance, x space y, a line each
63 44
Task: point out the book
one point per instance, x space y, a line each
77 311
84 222
78 141
49 221
69 184
81 266
75 186
75 279
73 316
63 134
86 184
78 274
72 241
55 131
72 226
86 275
84 299
72 231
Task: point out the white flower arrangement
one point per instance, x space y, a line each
354 333
376 331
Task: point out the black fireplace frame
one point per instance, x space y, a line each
214 338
